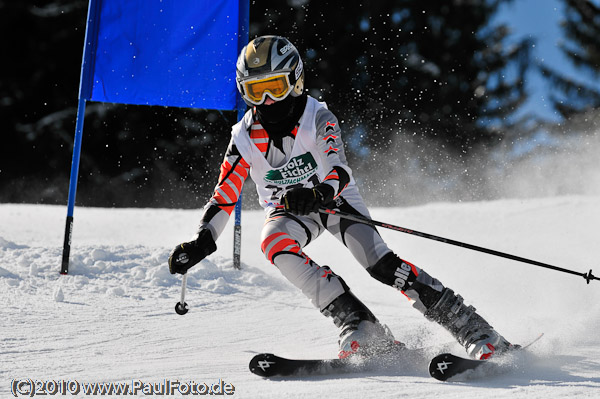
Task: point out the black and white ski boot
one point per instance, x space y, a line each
470 329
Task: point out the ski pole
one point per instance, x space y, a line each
361 219
181 307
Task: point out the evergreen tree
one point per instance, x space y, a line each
581 28
438 69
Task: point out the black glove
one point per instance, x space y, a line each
302 200
190 253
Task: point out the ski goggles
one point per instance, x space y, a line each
256 90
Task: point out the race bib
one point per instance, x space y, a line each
295 171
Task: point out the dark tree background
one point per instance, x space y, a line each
436 75
581 27
437 68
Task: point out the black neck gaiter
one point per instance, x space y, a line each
280 118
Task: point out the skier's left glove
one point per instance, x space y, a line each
302 200
190 253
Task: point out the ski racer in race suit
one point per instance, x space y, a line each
291 146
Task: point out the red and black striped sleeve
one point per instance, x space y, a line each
234 171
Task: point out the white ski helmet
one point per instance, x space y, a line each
269 66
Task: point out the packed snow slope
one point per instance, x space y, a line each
112 318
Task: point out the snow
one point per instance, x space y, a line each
112 318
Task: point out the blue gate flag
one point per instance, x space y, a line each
178 53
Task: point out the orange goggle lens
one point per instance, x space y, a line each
278 86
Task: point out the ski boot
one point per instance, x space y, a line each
474 333
361 333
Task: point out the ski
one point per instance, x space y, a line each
269 365
446 365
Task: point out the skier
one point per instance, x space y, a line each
291 146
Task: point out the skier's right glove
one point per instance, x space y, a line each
190 253
302 200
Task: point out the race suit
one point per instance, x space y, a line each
312 153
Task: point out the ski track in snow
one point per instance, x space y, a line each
112 318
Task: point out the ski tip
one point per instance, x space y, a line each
536 339
439 365
261 364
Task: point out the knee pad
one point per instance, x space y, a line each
407 278
393 271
